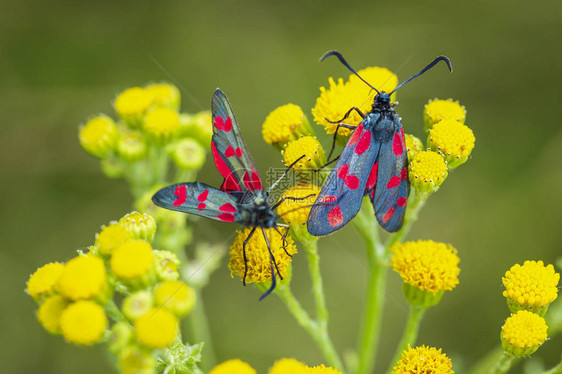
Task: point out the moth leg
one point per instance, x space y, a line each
354 108
284 238
283 176
271 254
342 125
244 255
273 282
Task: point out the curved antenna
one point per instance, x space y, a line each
342 60
432 64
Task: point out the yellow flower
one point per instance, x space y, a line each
140 225
321 369
334 102
453 139
423 360
284 124
437 110
296 211
523 333
131 146
259 263
531 286
289 365
427 171
84 277
157 328
49 313
427 266
98 136
133 262
136 360
165 94
413 145
234 366
83 323
162 123
175 296
307 146
111 237
42 283
132 104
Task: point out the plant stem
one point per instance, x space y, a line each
311 248
319 335
199 332
502 365
555 370
410 332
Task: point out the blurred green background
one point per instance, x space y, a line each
63 61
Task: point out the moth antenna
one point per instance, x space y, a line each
342 60
432 64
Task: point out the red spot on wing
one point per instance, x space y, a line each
328 199
355 136
397 144
223 125
388 215
181 193
226 217
227 125
239 152
352 182
230 183
393 182
401 201
252 181
201 206
342 171
373 176
335 216
203 195
229 152
404 173
256 181
227 208
364 143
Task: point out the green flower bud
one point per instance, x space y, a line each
141 226
137 304
188 154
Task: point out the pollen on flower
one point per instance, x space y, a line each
322 369
423 360
83 323
176 296
162 123
523 333
296 211
259 263
531 285
140 225
413 145
49 313
156 328
111 237
289 365
285 123
427 171
234 366
165 94
98 136
43 281
83 277
307 146
425 264
132 260
453 139
437 110
133 102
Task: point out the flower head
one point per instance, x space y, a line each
111 237
176 296
198 126
296 211
307 146
98 136
131 146
42 283
257 254
120 336
523 333
234 366
531 286
132 104
427 266
413 145
136 360
140 225
137 304
167 264
289 365
423 360
285 123
133 263
165 94
437 110
156 328
162 123
322 369
453 139
188 154
427 171
83 323
49 313
84 277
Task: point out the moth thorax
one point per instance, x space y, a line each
382 102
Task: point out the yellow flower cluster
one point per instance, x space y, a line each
284 124
423 360
523 333
283 366
74 297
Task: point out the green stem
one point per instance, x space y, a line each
114 312
410 333
319 335
484 364
555 370
311 248
502 365
200 332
